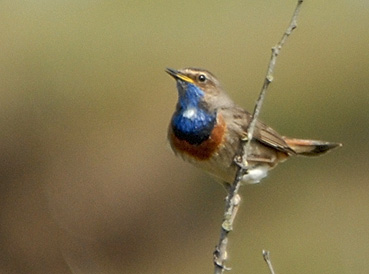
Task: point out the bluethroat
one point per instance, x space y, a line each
207 127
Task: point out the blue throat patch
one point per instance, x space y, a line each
191 121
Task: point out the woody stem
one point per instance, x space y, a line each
233 199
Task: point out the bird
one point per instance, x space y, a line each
207 129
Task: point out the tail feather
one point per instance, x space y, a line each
310 147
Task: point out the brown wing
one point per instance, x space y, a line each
270 137
263 133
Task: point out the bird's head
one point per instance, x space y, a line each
199 88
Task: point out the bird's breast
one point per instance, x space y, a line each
204 150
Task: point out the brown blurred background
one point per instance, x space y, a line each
88 183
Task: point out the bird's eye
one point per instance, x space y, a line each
202 78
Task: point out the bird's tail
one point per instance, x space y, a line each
310 147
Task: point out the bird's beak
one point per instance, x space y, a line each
178 75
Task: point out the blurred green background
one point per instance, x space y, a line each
88 183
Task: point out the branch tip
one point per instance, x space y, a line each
266 256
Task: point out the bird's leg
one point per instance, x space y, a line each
242 163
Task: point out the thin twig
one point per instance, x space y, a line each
266 256
233 199
268 79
